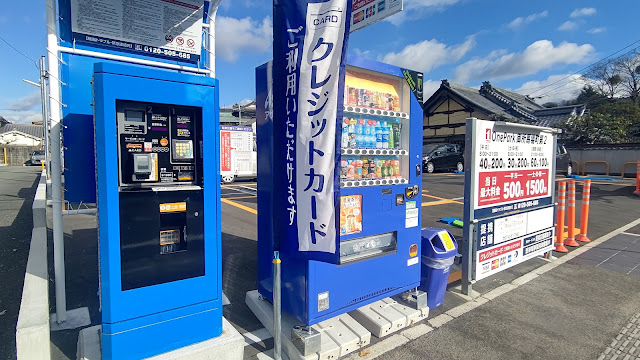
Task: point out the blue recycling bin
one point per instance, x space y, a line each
439 249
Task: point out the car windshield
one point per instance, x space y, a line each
38 153
427 149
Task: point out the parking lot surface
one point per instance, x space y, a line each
544 306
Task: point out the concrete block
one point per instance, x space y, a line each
340 335
387 316
381 348
263 310
32 329
76 319
228 346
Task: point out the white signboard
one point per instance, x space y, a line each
510 240
366 12
164 28
510 185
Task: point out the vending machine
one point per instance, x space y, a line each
157 164
379 189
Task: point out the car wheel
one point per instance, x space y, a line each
430 167
569 170
228 179
460 166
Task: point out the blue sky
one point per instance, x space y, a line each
518 45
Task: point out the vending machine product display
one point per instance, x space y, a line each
378 187
157 162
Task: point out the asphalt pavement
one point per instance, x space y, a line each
579 305
17 189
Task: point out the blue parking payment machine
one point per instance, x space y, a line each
157 165
375 172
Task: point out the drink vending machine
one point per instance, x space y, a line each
157 162
379 190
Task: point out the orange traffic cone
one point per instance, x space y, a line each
562 191
584 219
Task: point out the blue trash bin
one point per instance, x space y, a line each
439 249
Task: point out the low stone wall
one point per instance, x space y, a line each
616 156
16 155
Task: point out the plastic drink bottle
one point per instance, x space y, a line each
378 136
385 135
391 137
345 136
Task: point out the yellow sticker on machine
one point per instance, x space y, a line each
446 239
173 207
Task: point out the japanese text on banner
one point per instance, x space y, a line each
322 56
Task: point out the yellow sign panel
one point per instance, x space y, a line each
173 207
448 243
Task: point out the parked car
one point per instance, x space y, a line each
563 161
442 157
37 158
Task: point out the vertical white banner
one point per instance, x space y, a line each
317 104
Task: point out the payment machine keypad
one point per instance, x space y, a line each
182 149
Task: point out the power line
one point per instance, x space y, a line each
18 51
583 69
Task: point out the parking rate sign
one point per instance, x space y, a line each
511 184
513 168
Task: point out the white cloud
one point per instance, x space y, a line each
540 55
429 54
583 12
568 25
22 117
415 9
597 30
24 103
235 37
429 87
520 21
555 88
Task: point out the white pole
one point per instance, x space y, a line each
56 162
213 10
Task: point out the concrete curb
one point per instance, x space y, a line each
32 330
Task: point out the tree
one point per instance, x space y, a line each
628 67
604 78
590 97
612 122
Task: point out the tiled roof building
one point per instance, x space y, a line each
446 111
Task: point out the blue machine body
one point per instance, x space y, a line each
158 316
77 114
351 285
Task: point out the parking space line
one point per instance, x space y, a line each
239 206
241 197
443 199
